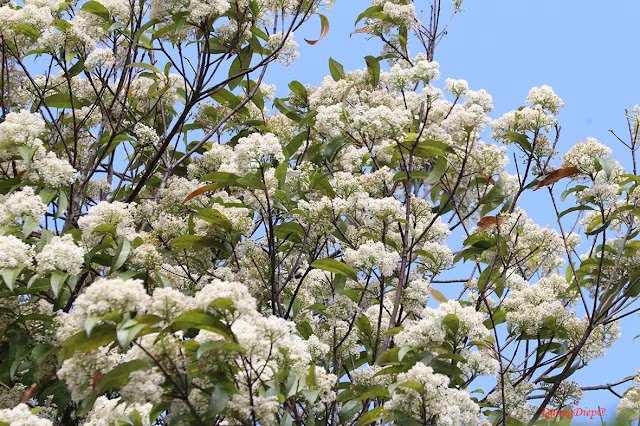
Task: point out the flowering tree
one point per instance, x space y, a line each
173 252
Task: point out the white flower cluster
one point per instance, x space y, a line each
456 87
14 253
256 149
146 135
287 53
21 204
196 11
169 303
243 302
21 415
432 397
52 171
62 254
372 255
107 411
515 397
629 405
118 214
583 155
399 12
600 338
546 98
110 295
20 129
99 58
529 306
430 328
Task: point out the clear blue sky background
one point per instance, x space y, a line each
586 50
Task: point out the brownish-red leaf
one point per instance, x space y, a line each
325 29
97 377
556 175
199 191
29 392
362 30
489 222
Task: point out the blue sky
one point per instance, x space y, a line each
585 50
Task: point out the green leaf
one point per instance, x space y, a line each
128 331
62 100
368 12
332 265
121 254
214 217
196 242
452 322
289 231
298 89
494 193
373 67
142 65
200 320
336 69
218 402
348 410
574 209
101 335
607 164
97 9
219 345
371 416
520 139
119 375
10 275
58 278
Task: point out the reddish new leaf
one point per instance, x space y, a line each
556 175
97 378
325 29
199 191
29 392
489 222
363 30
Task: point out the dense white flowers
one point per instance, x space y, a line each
117 214
21 415
256 149
62 254
111 295
429 394
287 53
20 205
99 58
52 171
20 129
372 255
14 253
108 411
236 292
583 155
530 305
145 134
546 98
431 329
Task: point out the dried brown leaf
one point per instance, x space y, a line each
325 29
489 222
556 175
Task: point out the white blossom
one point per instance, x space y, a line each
62 254
21 415
14 253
